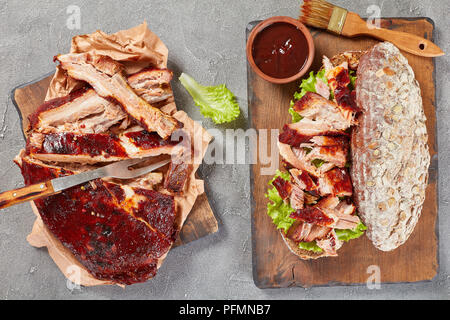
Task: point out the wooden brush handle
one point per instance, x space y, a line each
355 26
33 192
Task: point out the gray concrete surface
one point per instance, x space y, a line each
206 39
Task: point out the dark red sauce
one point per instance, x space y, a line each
93 144
280 50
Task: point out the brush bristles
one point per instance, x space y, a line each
316 13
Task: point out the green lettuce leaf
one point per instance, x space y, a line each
310 246
277 209
347 235
352 75
318 162
215 102
295 116
307 85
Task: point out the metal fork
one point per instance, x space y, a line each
118 170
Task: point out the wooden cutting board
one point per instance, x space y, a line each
273 264
200 222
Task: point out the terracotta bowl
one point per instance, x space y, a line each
264 24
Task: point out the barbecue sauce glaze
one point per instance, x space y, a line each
112 240
280 50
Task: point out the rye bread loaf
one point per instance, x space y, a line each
390 156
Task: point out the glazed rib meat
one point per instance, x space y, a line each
336 182
117 232
338 79
153 85
105 76
315 107
82 111
97 147
303 131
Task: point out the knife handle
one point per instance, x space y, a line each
33 192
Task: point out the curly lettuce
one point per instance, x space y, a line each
310 246
347 235
277 209
215 102
352 75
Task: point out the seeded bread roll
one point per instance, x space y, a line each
390 156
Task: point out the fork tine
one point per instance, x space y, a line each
121 170
126 163
141 171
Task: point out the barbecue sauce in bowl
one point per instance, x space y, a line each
280 50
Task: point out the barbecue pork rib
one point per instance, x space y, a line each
152 85
98 147
117 231
106 77
82 111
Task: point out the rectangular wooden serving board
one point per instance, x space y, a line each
274 266
201 220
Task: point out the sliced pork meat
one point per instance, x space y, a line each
177 176
97 147
324 141
288 156
325 217
153 85
345 208
297 197
299 231
337 155
336 182
329 202
329 244
283 187
322 89
303 131
81 112
315 150
314 215
317 108
303 180
311 198
106 77
317 232
345 221
338 80
339 212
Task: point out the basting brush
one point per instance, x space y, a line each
324 15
